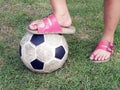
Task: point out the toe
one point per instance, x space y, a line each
107 56
92 57
32 26
35 24
103 58
97 57
100 58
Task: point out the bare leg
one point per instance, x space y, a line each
61 12
111 19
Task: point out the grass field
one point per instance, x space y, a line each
78 73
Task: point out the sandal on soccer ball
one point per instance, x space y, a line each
52 26
107 46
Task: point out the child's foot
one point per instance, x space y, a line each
63 20
52 24
102 52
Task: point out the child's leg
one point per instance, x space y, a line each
111 19
61 12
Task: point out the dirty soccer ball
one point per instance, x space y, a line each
43 53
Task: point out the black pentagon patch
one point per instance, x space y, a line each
20 51
59 52
37 39
37 64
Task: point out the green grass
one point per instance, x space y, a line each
78 73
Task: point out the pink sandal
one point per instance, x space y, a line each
107 46
54 27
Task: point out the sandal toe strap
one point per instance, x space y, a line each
105 45
50 25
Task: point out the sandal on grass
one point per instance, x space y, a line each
52 26
107 46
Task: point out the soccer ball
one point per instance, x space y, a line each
43 53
